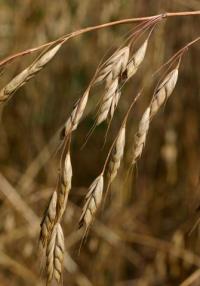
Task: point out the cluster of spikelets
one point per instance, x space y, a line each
113 73
51 234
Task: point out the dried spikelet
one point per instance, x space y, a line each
114 103
140 137
49 219
136 60
164 91
114 66
107 101
65 185
28 73
92 202
117 155
76 114
117 71
55 254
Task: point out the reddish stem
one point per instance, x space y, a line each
97 27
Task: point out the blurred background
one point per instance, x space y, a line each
142 235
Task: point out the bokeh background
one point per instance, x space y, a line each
141 237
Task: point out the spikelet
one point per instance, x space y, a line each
28 73
118 70
107 101
114 103
65 185
92 202
140 137
76 114
55 254
49 219
117 155
114 66
164 91
136 60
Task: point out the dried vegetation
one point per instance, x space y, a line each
144 224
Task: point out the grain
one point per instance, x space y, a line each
163 91
92 202
114 66
107 101
55 254
28 73
117 155
49 219
76 114
65 185
140 137
136 60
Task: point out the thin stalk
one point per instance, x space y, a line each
97 27
177 54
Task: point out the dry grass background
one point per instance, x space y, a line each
142 236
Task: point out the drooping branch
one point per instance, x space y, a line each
11 58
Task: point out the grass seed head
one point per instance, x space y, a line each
49 219
107 101
117 155
164 91
28 73
140 137
76 114
114 66
136 60
55 254
65 185
92 202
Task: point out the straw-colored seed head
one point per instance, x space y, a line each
67 171
136 60
140 137
117 155
76 114
114 103
119 66
164 91
28 73
65 186
107 101
115 65
55 254
92 202
49 219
